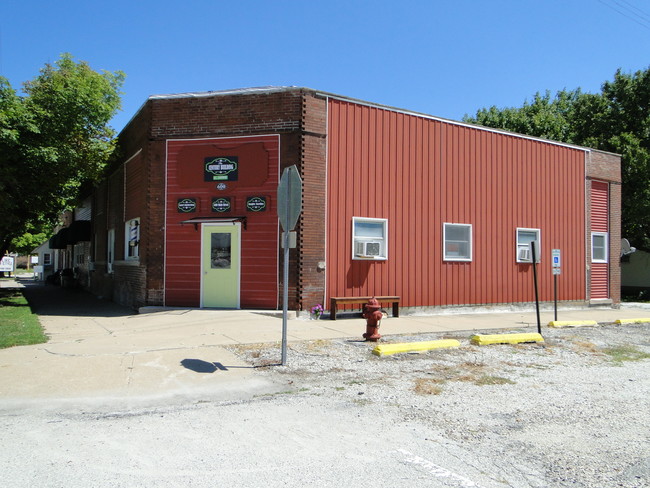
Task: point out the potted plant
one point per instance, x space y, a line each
316 311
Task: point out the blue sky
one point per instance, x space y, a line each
445 58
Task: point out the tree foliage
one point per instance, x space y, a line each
53 138
616 120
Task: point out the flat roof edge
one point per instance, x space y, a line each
459 123
324 94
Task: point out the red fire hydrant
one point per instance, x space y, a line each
373 317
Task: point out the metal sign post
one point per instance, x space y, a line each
289 208
534 253
556 271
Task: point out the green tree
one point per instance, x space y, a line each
53 138
617 120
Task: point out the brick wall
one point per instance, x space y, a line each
153 233
118 198
313 155
604 166
221 115
129 285
615 242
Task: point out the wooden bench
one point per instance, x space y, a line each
336 301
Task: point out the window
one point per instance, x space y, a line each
599 247
524 249
110 250
221 250
369 238
132 241
47 259
457 240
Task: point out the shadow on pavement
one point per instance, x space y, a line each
54 300
200 366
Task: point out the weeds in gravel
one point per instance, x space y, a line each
468 372
428 386
619 354
493 380
284 392
589 347
320 345
355 382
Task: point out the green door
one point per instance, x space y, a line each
220 266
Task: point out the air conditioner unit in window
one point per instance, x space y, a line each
524 254
367 249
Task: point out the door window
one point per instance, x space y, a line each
221 251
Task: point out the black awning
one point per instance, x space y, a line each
79 230
214 220
54 242
60 239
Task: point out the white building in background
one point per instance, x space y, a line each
45 265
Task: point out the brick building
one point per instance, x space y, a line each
438 212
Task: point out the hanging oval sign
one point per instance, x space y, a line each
256 204
186 205
221 204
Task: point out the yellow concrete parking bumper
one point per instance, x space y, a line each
571 323
633 321
388 349
484 340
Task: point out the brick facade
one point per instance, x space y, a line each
312 222
241 113
606 167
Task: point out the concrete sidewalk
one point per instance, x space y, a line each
100 348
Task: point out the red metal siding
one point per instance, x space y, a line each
599 223
259 241
419 173
599 206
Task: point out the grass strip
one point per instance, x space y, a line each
18 325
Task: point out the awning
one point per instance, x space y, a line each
60 239
79 230
214 220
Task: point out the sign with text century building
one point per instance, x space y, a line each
222 168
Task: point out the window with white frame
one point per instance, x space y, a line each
47 259
132 241
369 238
599 247
524 249
457 239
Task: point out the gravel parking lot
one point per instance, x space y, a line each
573 411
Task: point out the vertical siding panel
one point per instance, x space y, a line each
480 163
340 209
415 166
438 188
417 198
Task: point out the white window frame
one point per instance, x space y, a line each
383 254
132 251
526 245
605 246
449 257
47 259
